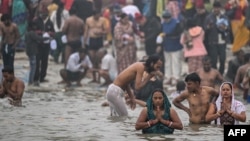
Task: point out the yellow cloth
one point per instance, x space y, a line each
160 7
241 35
52 7
108 28
189 4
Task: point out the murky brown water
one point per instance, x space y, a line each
53 114
78 116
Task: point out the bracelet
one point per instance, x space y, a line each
149 124
170 124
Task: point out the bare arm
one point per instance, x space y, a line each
132 97
19 91
220 77
2 94
241 117
211 113
140 102
141 122
86 31
17 36
140 81
177 102
214 94
177 124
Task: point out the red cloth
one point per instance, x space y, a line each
67 4
4 7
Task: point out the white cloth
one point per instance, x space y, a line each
116 101
73 64
53 44
46 35
65 15
131 10
236 105
173 64
109 63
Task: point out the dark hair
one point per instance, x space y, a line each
194 77
206 58
151 59
217 4
158 90
123 15
8 69
230 84
5 17
180 86
190 23
59 13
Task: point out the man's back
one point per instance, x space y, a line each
73 28
129 74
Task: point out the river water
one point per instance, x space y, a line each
50 112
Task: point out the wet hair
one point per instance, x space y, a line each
5 17
151 59
180 86
194 77
8 69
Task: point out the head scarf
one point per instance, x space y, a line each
150 104
158 128
236 106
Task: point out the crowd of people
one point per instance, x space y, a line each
80 31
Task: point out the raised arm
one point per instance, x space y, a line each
177 102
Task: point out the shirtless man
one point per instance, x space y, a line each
12 87
10 39
94 32
73 29
209 75
241 72
198 97
123 81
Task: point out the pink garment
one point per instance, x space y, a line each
198 49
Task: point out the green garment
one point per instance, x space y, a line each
158 128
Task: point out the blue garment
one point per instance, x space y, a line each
158 128
171 41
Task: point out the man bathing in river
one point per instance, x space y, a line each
12 87
198 97
123 81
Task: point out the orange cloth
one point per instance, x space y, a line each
241 36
